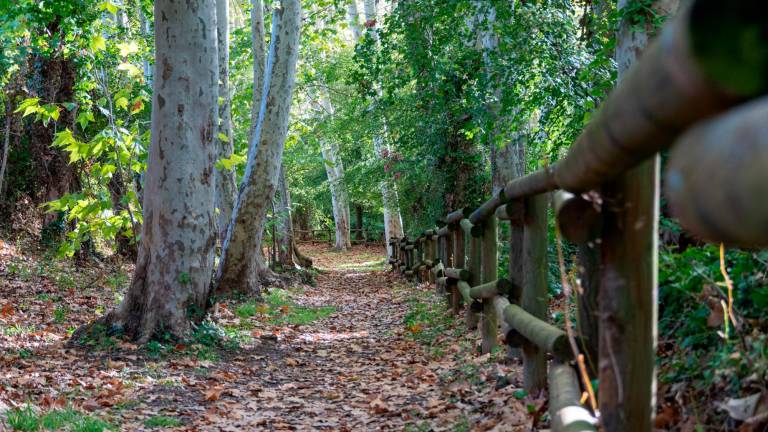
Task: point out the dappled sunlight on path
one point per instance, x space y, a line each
362 350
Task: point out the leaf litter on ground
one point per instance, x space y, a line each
362 350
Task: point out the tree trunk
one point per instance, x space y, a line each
124 244
393 221
225 179
52 80
259 62
339 197
171 282
629 281
6 146
353 17
359 222
238 270
284 238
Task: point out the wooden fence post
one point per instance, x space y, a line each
474 266
489 273
459 261
535 297
628 300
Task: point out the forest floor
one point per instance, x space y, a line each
361 350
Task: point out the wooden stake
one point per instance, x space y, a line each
490 272
535 296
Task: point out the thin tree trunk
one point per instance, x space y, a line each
238 270
353 17
171 282
225 179
6 147
334 169
393 221
359 222
284 238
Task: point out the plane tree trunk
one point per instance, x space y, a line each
238 269
171 282
225 179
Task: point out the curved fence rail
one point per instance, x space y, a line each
690 92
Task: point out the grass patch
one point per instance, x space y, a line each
162 421
279 309
426 319
283 310
18 329
28 420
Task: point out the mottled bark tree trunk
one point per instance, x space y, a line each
225 179
238 270
284 237
629 286
171 282
334 169
259 61
393 221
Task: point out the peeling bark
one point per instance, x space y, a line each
259 62
334 169
225 179
284 238
238 269
171 282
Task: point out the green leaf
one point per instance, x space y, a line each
63 138
127 48
109 7
129 68
83 118
122 102
26 103
30 110
230 163
97 43
223 137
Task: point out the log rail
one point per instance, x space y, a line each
697 90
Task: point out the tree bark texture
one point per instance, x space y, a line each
225 179
284 225
171 282
259 61
238 270
334 169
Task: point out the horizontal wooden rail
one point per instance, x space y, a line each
717 177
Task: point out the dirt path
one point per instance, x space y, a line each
386 358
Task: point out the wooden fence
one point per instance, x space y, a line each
689 92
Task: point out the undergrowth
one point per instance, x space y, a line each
698 348
27 419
